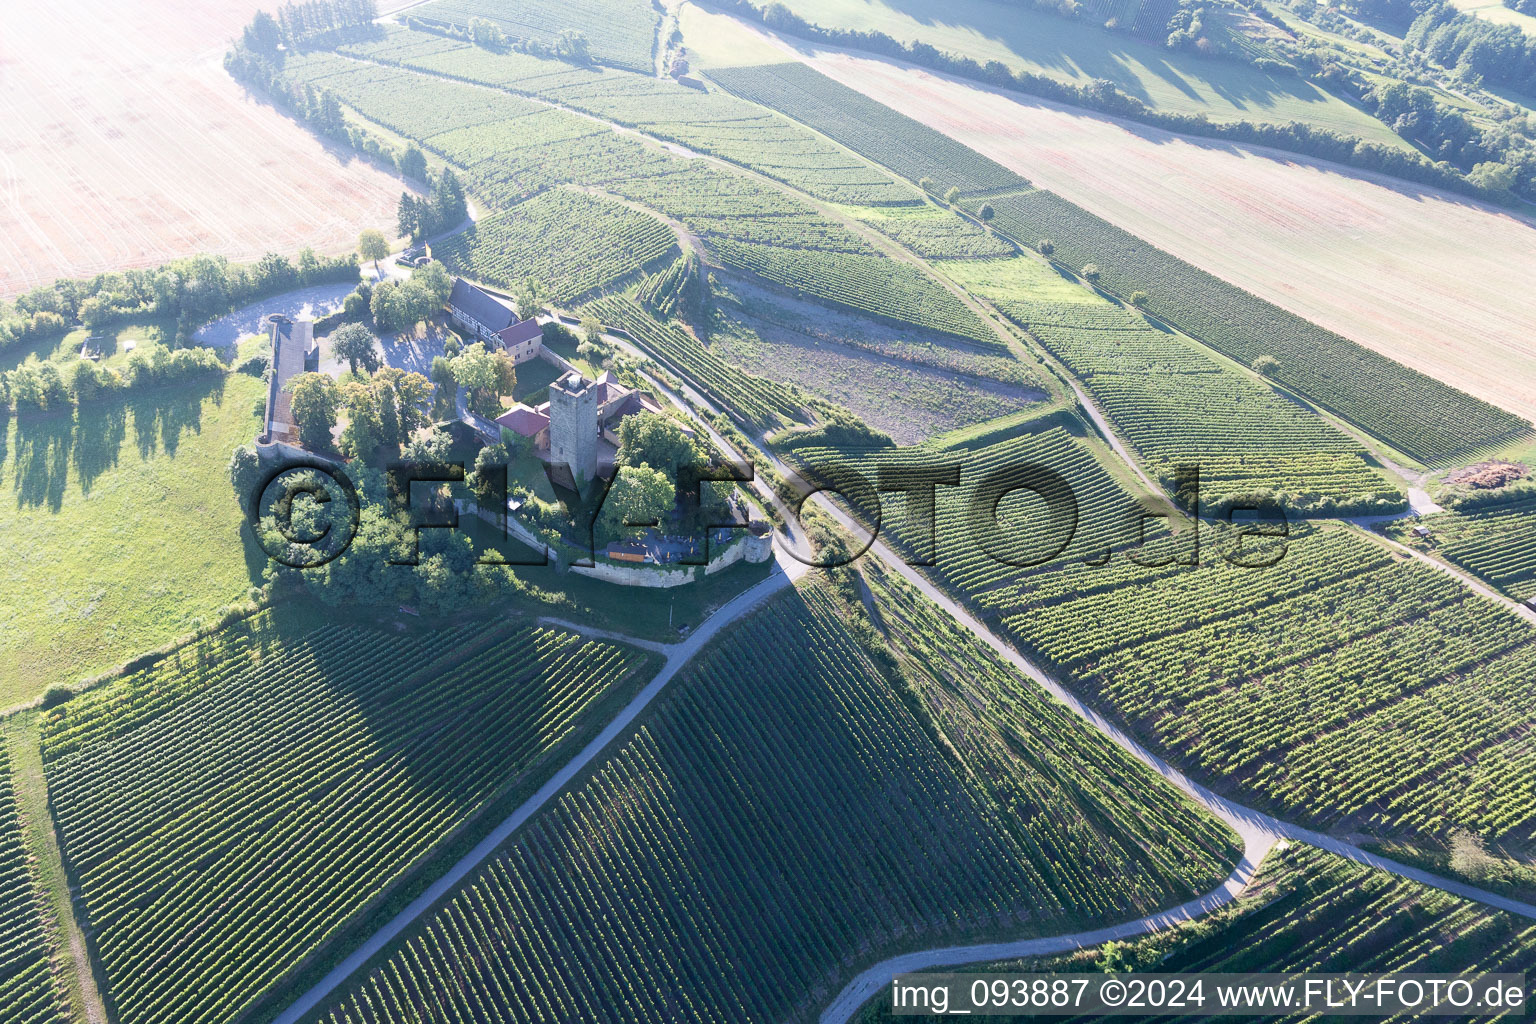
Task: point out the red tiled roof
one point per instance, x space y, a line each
522 420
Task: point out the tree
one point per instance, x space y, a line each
364 431
1046 247
412 395
476 371
315 401
591 330
408 215
1091 272
354 343
1139 299
1470 857
244 474
1493 176
1266 366
926 184
952 196
986 212
372 246
657 442
639 496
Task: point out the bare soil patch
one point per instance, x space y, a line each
123 143
1436 281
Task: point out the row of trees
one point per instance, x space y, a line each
44 386
1102 95
194 290
384 409
301 22
443 207
1497 54
569 45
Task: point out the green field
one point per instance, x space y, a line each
571 243
1308 910
27 993
1415 414
1079 51
1340 685
122 531
795 811
284 775
1178 406
618 32
1496 543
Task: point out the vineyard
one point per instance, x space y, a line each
714 122
761 401
935 233
618 32
914 151
1414 413
229 809
1497 543
27 994
512 147
1178 406
572 243
1308 910
788 815
1339 685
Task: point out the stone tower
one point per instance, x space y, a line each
573 430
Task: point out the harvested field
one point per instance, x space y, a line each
1434 281
124 143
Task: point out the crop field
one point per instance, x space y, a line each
908 399
228 809
1433 281
618 32
1403 716
787 812
716 123
1177 406
762 401
27 993
573 244
120 517
935 233
1309 910
1078 51
1496 543
127 145
512 146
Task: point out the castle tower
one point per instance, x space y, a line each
573 430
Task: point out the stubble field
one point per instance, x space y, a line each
124 143
1435 281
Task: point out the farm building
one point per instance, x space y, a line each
493 321
294 351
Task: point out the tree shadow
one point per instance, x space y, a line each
41 461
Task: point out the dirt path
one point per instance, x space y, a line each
678 655
72 962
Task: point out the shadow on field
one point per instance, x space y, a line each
90 440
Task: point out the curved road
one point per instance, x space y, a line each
678 655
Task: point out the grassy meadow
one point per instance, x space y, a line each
120 529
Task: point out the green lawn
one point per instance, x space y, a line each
1078 52
120 529
65 347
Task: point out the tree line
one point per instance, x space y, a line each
303 22
194 290
1103 96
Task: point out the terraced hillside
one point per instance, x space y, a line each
511 147
1177 406
795 810
27 993
1340 685
229 809
1414 413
